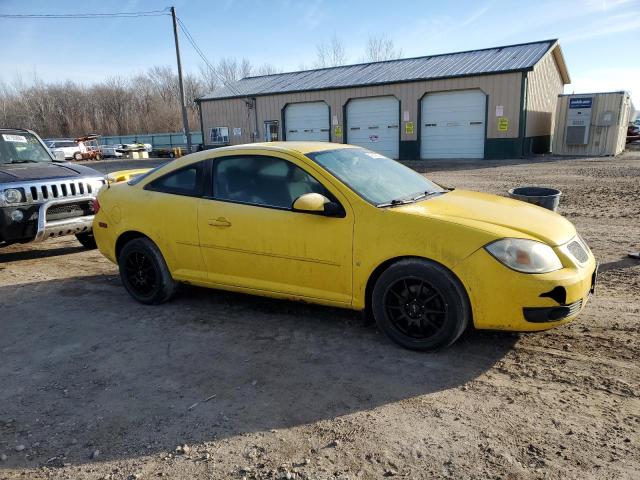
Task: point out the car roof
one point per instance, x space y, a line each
283 147
9 129
294 146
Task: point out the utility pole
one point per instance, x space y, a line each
183 103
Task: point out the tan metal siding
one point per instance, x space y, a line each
501 89
603 141
544 84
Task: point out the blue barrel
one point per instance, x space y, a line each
548 198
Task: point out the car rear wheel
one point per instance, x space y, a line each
144 272
87 240
420 305
77 156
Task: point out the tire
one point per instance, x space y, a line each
87 240
172 155
420 305
77 156
144 273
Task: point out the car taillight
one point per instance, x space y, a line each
96 206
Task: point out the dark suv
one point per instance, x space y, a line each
42 196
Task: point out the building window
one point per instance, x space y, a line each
220 135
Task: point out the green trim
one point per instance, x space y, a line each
502 148
409 150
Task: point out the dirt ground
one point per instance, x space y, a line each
96 386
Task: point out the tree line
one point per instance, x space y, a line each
147 102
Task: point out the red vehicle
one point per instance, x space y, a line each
89 148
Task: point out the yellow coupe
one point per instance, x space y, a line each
340 225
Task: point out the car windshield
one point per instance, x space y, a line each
22 147
376 178
65 144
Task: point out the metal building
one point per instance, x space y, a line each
592 124
491 103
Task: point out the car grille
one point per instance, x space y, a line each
551 314
574 308
62 189
70 210
578 251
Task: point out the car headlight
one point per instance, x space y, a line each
526 256
12 195
584 244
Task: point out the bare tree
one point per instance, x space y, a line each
266 69
209 78
230 70
146 103
380 48
331 54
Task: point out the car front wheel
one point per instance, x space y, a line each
77 156
87 240
420 305
144 272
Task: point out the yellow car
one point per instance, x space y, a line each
340 225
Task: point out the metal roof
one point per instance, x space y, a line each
475 62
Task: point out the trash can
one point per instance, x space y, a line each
548 198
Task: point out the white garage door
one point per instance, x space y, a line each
307 121
453 125
374 123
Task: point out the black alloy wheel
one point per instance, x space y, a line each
420 304
415 307
144 273
141 274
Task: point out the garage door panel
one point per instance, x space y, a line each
453 125
307 121
374 123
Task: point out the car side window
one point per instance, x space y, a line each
262 180
185 181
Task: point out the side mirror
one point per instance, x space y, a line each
318 204
59 155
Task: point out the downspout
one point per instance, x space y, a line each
255 117
199 102
522 129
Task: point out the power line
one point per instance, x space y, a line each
201 54
151 13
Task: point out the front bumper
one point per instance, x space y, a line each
35 228
503 299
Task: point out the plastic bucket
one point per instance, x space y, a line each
543 197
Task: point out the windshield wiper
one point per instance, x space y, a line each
395 201
25 161
404 201
425 195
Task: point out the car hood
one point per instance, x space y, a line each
495 214
18 172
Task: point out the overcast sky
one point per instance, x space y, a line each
600 38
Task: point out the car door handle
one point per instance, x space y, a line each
219 222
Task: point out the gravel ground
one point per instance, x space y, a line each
217 385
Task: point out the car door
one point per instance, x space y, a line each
251 238
170 208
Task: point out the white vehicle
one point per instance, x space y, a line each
69 148
111 151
